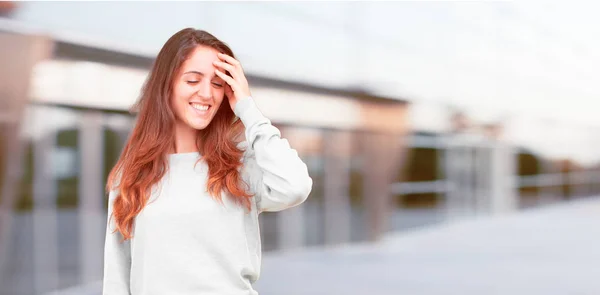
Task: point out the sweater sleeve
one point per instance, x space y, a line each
117 257
276 174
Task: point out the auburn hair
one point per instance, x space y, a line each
144 159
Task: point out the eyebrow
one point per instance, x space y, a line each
194 72
201 74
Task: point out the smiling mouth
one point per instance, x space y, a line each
200 107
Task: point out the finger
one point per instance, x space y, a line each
230 68
228 79
234 68
236 64
229 59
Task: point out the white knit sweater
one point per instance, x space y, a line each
186 243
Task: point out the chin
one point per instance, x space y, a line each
199 125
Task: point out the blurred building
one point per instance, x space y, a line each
67 121
396 119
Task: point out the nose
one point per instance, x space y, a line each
204 90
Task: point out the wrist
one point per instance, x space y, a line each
247 111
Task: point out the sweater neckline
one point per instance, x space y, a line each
184 156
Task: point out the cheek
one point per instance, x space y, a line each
219 95
182 91
177 93
179 99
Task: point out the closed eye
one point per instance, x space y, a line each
192 82
217 84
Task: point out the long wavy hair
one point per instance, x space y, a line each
143 160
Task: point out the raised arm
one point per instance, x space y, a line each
273 169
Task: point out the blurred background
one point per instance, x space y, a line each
454 146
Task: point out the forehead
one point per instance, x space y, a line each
201 58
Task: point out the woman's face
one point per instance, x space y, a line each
198 91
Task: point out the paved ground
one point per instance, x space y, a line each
548 251
18 280
555 250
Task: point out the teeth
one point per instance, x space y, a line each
200 106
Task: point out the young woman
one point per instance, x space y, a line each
200 165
